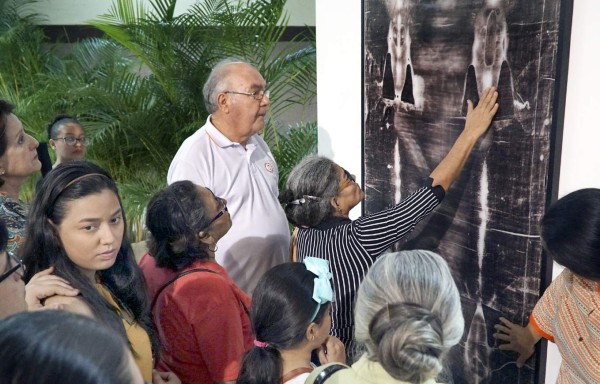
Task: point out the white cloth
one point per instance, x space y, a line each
247 178
300 379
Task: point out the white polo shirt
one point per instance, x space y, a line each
247 178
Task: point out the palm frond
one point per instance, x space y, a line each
138 90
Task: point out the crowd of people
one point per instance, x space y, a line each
224 294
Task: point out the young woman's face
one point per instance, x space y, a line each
92 231
68 152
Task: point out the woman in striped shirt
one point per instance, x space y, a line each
319 195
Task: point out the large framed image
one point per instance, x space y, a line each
423 60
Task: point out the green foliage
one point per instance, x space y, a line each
138 90
290 147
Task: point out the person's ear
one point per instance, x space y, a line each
206 238
54 228
52 144
223 102
334 203
311 332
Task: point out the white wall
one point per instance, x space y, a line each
70 12
339 99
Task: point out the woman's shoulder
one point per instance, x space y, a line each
69 304
206 277
300 379
13 207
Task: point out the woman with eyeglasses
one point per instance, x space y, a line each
201 315
77 225
67 138
18 161
319 195
16 297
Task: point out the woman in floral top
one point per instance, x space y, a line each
18 160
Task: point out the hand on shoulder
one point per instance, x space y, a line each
69 304
44 285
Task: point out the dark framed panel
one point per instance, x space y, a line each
422 60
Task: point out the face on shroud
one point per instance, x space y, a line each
92 231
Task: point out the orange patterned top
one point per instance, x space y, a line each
569 315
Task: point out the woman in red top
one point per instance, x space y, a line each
201 315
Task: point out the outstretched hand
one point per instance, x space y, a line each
331 351
518 339
43 285
480 117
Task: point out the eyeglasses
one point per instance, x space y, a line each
258 95
221 212
13 265
71 140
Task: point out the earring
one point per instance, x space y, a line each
1 172
214 250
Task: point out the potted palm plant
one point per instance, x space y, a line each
138 90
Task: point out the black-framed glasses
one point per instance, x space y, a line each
221 212
12 265
71 140
258 95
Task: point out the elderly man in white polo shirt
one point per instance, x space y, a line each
227 156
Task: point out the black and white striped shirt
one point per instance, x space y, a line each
351 247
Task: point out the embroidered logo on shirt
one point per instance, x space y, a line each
269 166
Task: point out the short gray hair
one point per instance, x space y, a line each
215 83
408 314
314 181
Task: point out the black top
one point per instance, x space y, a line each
351 247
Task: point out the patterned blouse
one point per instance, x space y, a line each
14 213
569 315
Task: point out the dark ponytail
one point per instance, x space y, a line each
282 308
261 365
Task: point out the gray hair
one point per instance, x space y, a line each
215 83
408 314
308 191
